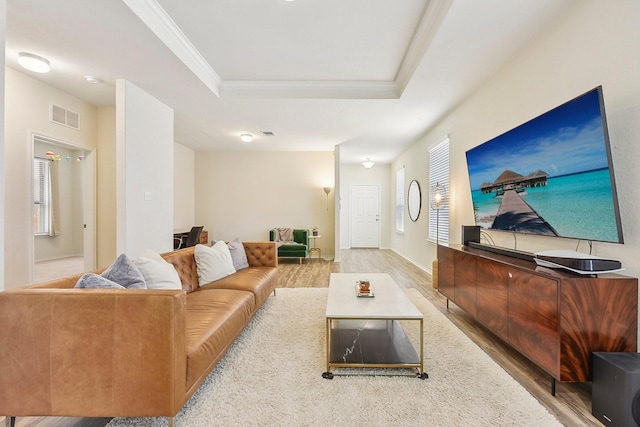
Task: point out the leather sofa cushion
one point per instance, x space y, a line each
214 319
185 264
259 280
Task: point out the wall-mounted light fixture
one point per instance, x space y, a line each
34 63
368 163
246 137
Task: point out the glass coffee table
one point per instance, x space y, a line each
365 331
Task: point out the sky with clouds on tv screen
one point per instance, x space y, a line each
566 140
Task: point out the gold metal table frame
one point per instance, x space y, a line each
368 332
370 346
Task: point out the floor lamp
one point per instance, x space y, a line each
327 190
437 202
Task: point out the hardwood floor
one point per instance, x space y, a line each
571 404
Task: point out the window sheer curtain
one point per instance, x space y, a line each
54 200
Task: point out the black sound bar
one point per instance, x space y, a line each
527 256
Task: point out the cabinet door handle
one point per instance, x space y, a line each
510 276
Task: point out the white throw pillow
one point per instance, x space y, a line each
213 263
158 273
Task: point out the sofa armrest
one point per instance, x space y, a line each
92 352
261 254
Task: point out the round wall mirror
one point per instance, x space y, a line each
415 200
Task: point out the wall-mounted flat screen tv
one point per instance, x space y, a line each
550 176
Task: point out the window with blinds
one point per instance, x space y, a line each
439 183
400 200
41 196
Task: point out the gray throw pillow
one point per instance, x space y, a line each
94 281
124 272
238 255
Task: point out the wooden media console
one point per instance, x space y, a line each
554 317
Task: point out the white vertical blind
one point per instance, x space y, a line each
400 200
439 175
41 196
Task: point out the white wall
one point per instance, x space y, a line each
245 194
356 174
595 43
28 101
183 187
144 172
3 25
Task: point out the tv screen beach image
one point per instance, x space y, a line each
550 176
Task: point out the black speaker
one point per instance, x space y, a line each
615 391
470 233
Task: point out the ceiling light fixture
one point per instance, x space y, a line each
92 79
34 63
246 137
368 163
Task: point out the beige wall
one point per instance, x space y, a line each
106 188
595 43
183 187
245 194
27 104
413 243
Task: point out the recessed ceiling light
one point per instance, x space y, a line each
246 137
92 79
34 63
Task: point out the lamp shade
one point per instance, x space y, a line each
439 196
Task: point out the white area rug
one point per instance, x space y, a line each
272 377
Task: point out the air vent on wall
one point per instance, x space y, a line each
64 117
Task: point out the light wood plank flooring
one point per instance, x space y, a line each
57 268
571 405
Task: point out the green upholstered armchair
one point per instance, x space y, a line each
299 250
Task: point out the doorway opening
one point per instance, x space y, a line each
63 208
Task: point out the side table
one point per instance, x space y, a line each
314 248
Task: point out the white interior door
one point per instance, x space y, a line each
364 212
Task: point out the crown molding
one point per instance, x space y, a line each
163 26
425 32
311 89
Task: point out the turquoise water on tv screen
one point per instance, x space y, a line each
578 206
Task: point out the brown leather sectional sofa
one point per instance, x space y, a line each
112 352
